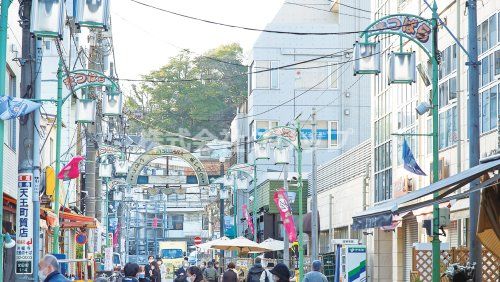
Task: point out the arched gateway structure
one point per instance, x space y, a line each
167 151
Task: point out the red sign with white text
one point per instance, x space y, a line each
281 201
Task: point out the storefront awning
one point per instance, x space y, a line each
382 214
71 220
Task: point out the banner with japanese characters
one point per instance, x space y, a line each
247 216
24 224
281 201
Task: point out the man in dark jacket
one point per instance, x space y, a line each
49 270
255 271
130 270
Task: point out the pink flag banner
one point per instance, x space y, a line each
281 201
248 218
71 170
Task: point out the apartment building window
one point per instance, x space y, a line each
176 197
487 34
489 108
448 61
175 222
264 125
497 62
10 137
265 75
326 134
204 222
383 159
317 75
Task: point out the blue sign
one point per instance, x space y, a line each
229 228
306 134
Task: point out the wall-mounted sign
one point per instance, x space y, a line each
24 224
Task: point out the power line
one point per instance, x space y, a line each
251 28
285 67
328 11
348 6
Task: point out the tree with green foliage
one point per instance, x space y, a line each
190 94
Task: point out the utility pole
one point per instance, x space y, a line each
221 207
286 241
314 194
473 126
29 137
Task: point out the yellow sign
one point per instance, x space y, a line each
50 181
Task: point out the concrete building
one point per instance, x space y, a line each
278 96
283 88
343 190
393 111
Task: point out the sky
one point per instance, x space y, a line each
145 38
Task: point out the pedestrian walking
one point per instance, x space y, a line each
315 275
230 275
49 270
210 273
163 269
181 273
281 273
147 268
130 270
194 274
255 271
266 275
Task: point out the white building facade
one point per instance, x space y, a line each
393 111
292 74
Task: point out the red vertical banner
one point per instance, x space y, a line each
248 218
281 201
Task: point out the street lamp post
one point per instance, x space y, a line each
292 136
248 170
423 32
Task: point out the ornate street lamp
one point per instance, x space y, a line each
112 103
85 110
47 18
92 13
366 58
105 170
121 167
402 67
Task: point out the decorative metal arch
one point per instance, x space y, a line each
415 28
84 78
168 151
285 133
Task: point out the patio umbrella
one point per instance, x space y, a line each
208 245
272 245
240 244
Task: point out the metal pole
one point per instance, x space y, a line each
55 241
330 230
314 194
436 252
221 208
473 126
254 215
235 205
36 161
4 10
300 187
286 241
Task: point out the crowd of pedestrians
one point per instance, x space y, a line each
154 271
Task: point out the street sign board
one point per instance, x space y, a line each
24 224
197 240
108 258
